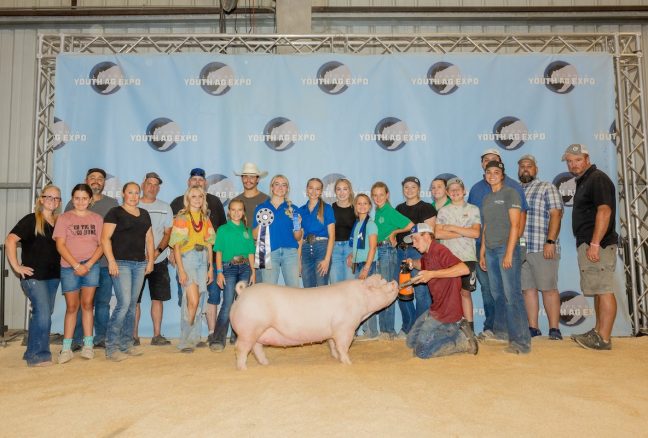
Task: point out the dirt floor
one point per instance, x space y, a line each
558 389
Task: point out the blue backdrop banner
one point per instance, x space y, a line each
367 118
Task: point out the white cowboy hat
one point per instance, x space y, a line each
251 169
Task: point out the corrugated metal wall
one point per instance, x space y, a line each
18 70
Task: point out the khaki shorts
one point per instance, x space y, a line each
597 278
540 273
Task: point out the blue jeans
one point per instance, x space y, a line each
487 296
387 267
311 255
213 293
102 297
196 265
339 270
41 294
127 287
370 325
510 314
431 338
283 260
233 274
409 311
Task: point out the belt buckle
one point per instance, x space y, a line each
198 247
311 238
237 260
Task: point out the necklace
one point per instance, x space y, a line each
197 227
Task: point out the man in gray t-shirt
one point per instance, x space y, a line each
251 196
101 204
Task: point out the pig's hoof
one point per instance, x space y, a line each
264 361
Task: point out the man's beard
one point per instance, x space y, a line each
526 178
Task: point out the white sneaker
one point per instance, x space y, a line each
87 352
65 356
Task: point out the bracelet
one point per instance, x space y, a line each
219 271
594 244
77 266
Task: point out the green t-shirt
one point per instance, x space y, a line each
234 240
388 219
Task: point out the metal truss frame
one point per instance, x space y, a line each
631 138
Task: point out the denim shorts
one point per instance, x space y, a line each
71 282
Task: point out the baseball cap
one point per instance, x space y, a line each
494 163
575 149
528 157
418 228
492 151
96 169
413 179
153 175
455 181
197 171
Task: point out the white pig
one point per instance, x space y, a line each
281 316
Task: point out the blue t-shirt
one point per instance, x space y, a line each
281 228
479 191
311 224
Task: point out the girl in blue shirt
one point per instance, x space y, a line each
318 223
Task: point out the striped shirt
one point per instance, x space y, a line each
542 197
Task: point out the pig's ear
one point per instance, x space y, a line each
372 281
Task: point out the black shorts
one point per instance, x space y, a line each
159 282
469 281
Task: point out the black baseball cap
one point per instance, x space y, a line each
96 169
413 179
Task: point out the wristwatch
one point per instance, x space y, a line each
550 242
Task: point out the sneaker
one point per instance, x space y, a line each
117 356
201 344
233 339
87 352
487 336
136 341
387 336
100 344
134 351
401 335
46 363
65 356
533 331
216 347
555 335
473 345
76 347
595 342
589 334
159 340
365 338
187 350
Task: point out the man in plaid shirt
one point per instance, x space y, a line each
540 269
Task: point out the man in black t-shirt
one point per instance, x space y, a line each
197 177
593 224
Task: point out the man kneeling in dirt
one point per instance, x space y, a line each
441 331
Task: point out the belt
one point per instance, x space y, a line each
239 260
384 243
311 238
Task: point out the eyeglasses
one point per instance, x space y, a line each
51 198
